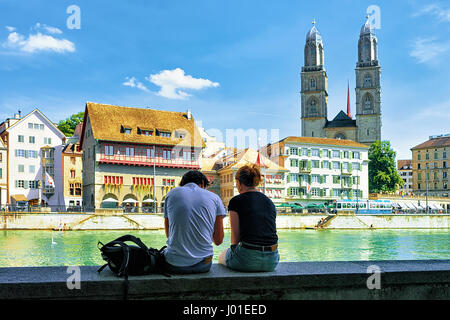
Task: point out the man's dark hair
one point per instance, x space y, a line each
194 176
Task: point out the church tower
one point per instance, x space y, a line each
368 88
314 87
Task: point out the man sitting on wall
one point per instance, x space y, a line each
193 219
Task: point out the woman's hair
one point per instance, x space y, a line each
194 176
249 176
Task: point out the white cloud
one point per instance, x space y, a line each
172 81
427 50
49 29
443 14
38 41
133 83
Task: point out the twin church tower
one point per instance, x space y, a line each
366 127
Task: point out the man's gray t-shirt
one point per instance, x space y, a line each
192 214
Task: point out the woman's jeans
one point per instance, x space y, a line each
243 259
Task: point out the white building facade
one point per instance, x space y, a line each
3 174
320 172
34 146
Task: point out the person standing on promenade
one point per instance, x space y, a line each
254 240
193 218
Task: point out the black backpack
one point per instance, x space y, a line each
125 260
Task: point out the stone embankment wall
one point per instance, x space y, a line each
90 221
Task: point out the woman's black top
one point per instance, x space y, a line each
257 216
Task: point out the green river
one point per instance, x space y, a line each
56 248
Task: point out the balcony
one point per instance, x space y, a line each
145 161
304 169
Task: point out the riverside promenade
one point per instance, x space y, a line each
360 280
124 221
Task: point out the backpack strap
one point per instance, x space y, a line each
129 237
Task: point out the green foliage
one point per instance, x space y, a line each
383 175
68 126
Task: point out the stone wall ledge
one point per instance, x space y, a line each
401 279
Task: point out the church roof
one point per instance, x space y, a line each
341 120
313 34
367 28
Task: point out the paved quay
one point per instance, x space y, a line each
420 279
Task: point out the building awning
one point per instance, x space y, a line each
18 197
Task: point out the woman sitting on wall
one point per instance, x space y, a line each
253 230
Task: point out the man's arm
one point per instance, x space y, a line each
166 227
218 231
234 224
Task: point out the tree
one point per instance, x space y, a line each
383 175
68 126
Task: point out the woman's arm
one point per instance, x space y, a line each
218 231
234 224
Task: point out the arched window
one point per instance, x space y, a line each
368 103
312 107
313 83
313 54
340 136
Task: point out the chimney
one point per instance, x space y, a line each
189 115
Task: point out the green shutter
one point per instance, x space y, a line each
330 165
350 167
359 180
309 165
350 154
320 153
289 178
309 152
309 178
321 164
341 154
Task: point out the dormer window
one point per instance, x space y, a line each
125 129
163 133
145 132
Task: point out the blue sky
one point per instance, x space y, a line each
235 64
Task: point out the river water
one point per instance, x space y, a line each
56 248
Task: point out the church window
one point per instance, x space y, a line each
312 107
340 136
368 133
313 83
368 102
367 81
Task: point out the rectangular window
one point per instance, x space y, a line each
72 174
293 177
326 164
336 154
129 151
20 183
315 152
294 163
346 154
30 126
36 126
20 138
304 152
356 166
32 169
345 165
356 155
151 153
315 164
41 127
21 168
294 151
315 178
336 165
31 139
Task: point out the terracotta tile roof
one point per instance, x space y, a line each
107 122
248 157
326 141
406 164
434 143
